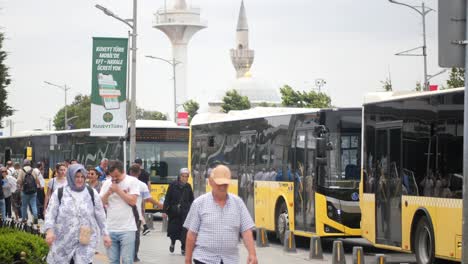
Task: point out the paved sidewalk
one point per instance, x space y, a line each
154 248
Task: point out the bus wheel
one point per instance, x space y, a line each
424 246
282 222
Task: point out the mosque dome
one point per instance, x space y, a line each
180 4
257 91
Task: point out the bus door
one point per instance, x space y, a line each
389 185
199 166
246 169
304 180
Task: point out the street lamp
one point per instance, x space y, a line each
319 83
65 89
173 63
423 12
132 23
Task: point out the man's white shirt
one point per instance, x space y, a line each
120 216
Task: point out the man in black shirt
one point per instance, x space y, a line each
144 175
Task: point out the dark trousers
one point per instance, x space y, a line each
40 203
8 207
199 262
182 241
137 240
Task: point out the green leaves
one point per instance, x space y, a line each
312 99
5 110
78 114
149 115
457 78
234 101
387 85
13 242
191 107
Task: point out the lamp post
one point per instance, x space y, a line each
423 12
65 89
173 63
49 120
132 23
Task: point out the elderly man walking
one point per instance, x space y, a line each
214 223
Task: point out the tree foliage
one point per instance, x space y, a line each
457 78
5 109
149 115
191 107
387 85
312 99
81 108
418 87
266 104
234 101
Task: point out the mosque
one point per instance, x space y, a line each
242 58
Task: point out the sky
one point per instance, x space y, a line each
349 43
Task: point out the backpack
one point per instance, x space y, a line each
29 183
90 190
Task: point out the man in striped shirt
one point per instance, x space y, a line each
214 223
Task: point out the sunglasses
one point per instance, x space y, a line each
4 171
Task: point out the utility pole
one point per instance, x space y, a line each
173 63
65 89
132 23
453 40
423 12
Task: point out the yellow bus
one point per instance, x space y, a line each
162 146
295 169
411 187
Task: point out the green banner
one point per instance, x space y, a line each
109 83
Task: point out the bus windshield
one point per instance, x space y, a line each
163 160
342 167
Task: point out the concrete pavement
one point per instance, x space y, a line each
154 248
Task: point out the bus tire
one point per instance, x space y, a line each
424 242
282 222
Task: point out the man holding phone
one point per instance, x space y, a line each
119 194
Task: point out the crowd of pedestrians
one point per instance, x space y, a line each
83 206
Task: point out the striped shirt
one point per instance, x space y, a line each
218 228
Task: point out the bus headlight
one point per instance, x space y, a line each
332 212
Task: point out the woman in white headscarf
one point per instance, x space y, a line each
74 219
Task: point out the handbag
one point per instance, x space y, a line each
86 231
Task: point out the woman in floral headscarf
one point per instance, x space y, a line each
73 219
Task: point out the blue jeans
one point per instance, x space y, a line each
2 208
123 246
28 199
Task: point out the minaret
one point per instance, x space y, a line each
242 57
179 23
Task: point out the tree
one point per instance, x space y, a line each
191 107
418 87
149 115
5 109
79 113
312 99
266 104
457 78
387 85
234 101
